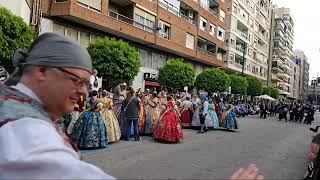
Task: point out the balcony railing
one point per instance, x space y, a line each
127 20
240 49
204 51
209 9
242 34
94 5
177 13
164 35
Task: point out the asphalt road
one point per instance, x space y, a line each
278 148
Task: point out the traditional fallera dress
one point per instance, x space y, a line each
196 117
186 114
212 118
168 128
142 114
229 119
89 131
152 116
110 121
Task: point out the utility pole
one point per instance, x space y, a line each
270 60
243 56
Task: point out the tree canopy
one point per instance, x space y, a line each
255 86
274 92
213 80
114 59
176 74
239 84
14 34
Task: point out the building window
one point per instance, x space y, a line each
232 57
203 24
234 8
72 34
221 34
222 15
84 39
190 41
165 30
212 30
58 29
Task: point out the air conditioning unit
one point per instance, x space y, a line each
160 25
190 14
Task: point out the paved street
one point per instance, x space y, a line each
278 148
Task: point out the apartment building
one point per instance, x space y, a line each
20 8
283 61
160 29
302 61
247 36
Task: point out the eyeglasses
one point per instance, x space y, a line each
77 81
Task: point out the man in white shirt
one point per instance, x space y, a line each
94 80
46 84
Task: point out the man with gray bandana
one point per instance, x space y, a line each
47 82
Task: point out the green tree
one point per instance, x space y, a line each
213 80
255 86
176 74
274 93
266 90
239 84
114 59
14 34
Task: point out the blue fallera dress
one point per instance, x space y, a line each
231 121
89 131
212 116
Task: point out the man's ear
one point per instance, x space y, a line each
40 73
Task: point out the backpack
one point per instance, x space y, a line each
95 83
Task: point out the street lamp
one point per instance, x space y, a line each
245 45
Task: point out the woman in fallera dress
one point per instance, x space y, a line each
186 113
212 116
228 118
152 114
110 119
89 131
168 128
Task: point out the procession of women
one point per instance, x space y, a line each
106 117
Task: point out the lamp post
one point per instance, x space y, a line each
245 46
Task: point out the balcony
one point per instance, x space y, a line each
127 20
243 34
170 8
94 5
213 7
206 47
164 35
204 51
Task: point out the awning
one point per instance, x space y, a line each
221 50
214 3
150 83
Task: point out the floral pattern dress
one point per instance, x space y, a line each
168 128
89 131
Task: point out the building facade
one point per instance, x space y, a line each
160 29
304 65
283 61
20 8
247 37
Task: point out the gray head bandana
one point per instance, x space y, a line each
50 50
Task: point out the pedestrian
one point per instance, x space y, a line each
131 108
46 84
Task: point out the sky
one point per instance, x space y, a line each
306 15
